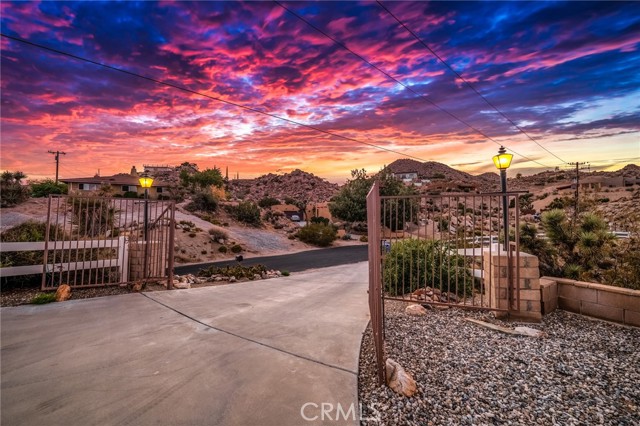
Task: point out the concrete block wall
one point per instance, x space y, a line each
528 285
136 260
548 295
596 300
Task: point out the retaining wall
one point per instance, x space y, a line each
596 300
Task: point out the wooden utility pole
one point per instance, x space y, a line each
57 157
577 192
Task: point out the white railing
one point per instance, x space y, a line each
121 261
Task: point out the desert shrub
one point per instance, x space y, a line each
203 201
29 231
360 227
225 224
291 237
236 248
443 225
203 252
272 216
222 249
412 264
317 234
603 200
267 202
192 234
11 190
320 220
364 239
130 194
43 298
285 273
218 234
187 223
46 187
246 212
93 216
346 237
237 271
560 203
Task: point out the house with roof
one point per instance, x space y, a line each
122 185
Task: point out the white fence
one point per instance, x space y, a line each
121 261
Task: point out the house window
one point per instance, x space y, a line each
87 186
159 190
129 188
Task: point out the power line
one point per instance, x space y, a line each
465 80
616 159
185 89
342 45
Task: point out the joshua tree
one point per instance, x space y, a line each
584 250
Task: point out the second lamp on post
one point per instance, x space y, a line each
502 162
146 181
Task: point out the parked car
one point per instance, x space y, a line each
486 240
295 218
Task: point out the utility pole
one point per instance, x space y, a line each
577 192
57 157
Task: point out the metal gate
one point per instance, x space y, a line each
435 249
100 241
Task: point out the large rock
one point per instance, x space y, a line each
415 310
181 285
399 380
63 293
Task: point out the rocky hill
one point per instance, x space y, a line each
442 175
297 185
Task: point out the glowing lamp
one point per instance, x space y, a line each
502 160
146 181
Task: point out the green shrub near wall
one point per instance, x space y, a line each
413 264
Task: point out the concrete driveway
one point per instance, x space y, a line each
270 352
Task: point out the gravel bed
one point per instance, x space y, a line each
585 372
23 296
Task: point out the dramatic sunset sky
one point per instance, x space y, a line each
567 73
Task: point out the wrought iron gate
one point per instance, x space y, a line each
436 249
100 241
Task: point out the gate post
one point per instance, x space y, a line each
172 237
375 277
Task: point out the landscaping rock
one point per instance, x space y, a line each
181 285
63 293
528 331
137 286
398 379
415 310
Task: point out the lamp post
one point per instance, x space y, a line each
502 162
146 181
